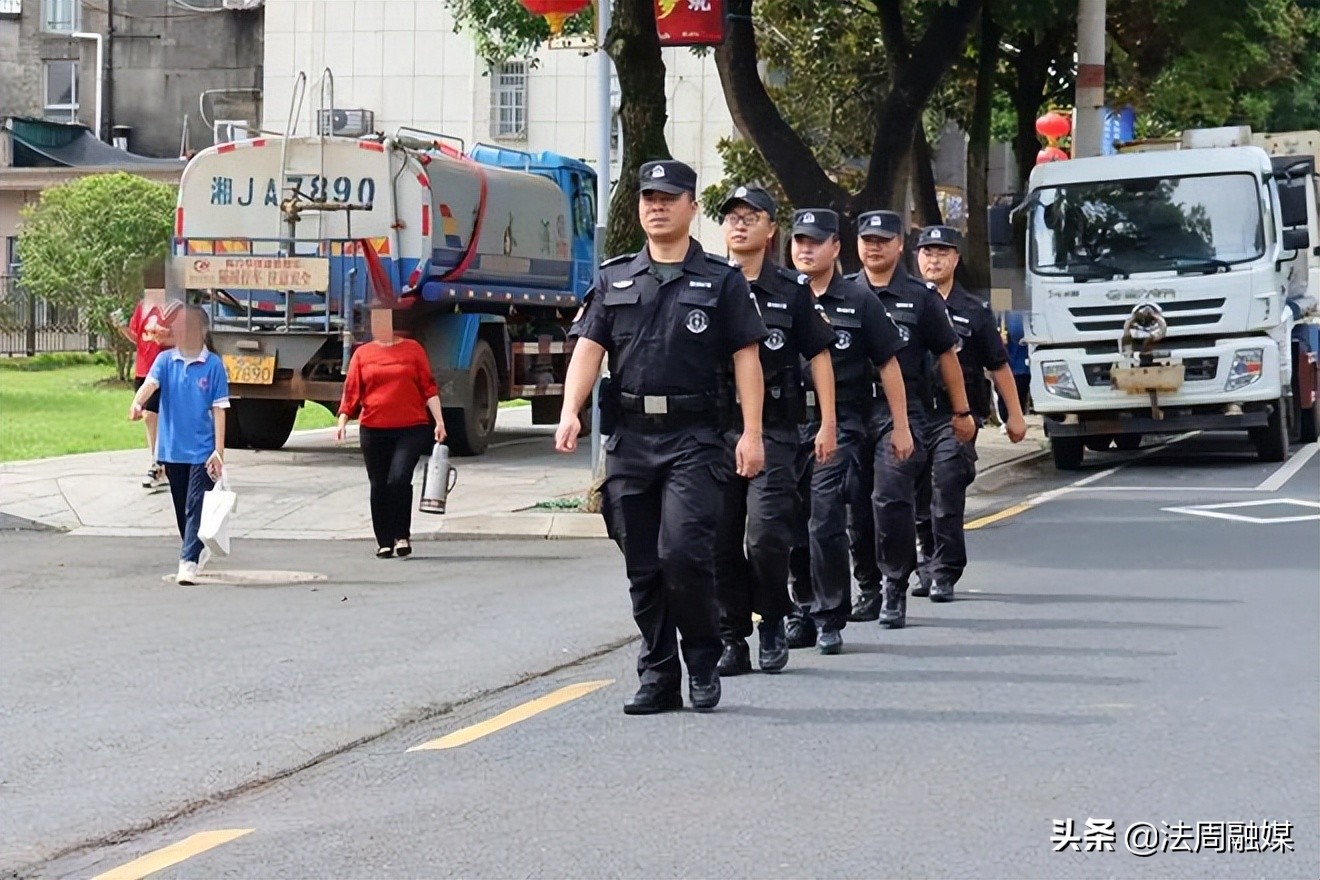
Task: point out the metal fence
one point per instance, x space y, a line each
30 325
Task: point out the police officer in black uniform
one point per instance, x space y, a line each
942 490
676 322
865 343
756 529
918 311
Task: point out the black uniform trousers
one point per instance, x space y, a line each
800 589
861 521
835 486
894 496
661 498
755 534
942 505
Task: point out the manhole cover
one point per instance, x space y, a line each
254 577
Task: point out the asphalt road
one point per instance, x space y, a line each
1124 649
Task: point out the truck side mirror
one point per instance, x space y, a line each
1001 226
1297 239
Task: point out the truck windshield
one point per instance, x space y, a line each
1120 227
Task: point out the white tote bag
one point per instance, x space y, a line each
218 506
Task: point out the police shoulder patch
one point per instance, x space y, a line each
930 285
621 258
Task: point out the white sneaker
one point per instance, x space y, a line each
187 575
203 559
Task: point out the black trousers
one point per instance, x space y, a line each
834 488
894 497
755 535
189 483
800 589
942 505
662 498
861 519
391 456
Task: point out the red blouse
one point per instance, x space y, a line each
389 384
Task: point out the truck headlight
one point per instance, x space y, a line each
1058 380
1246 368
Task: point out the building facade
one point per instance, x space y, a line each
402 62
157 58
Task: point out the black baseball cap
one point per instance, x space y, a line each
668 176
879 224
752 197
818 223
940 236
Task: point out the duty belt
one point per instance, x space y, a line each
665 412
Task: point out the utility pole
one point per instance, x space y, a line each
1090 100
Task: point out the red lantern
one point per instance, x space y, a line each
1050 154
555 12
689 22
1053 126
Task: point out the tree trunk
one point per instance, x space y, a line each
923 180
634 47
976 249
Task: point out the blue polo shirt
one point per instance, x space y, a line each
189 388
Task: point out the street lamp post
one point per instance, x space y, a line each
603 128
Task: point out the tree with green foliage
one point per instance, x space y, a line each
503 29
87 243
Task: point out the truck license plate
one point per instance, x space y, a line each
250 369
1143 380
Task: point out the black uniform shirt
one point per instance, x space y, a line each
982 346
864 338
918 310
798 330
674 337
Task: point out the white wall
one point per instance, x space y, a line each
402 60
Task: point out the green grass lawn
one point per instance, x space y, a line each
79 408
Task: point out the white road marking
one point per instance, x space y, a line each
1215 489
1288 469
1214 511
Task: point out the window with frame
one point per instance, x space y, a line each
11 8
61 90
61 16
508 101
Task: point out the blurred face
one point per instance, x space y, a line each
937 263
747 230
382 325
815 258
190 332
666 217
879 255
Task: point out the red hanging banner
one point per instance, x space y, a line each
689 22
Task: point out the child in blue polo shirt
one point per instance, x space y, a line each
190 440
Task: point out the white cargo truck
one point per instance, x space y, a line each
1172 288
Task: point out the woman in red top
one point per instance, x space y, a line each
149 331
390 385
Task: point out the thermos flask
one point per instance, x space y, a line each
440 479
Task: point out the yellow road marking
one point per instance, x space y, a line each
173 854
993 518
513 716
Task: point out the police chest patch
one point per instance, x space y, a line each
705 284
627 282
903 305
842 340
697 321
771 304
775 340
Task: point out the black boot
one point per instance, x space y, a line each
893 610
867 606
652 699
800 632
704 691
772 652
941 592
736 659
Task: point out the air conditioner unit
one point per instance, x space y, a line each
225 130
345 123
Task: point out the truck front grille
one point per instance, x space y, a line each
1184 313
1198 369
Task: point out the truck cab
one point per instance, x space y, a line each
1163 286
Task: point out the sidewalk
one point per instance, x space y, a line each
315 489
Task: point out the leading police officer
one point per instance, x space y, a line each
924 324
671 318
865 343
942 488
756 529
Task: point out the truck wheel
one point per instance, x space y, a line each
263 424
1068 452
1128 442
1271 439
469 429
233 430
